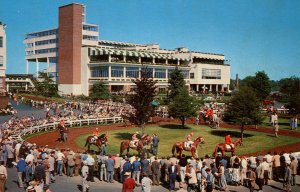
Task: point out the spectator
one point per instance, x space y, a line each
146 183
128 184
109 163
136 168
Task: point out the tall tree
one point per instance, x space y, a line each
182 106
176 82
100 91
261 85
244 109
290 88
45 85
141 100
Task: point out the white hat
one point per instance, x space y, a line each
127 173
219 153
85 162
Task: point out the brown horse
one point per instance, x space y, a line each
102 139
222 147
141 143
180 146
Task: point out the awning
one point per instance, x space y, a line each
106 51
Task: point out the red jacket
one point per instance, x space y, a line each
228 140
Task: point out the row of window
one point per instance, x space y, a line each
90 28
42 34
45 42
133 72
41 51
89 37
1 61
1 41
211 73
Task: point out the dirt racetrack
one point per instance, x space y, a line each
51 139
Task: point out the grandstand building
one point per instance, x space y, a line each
77 58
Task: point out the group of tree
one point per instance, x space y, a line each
45 85
290 89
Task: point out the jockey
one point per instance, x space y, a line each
228 140
96 133
135 138
62 123
189 139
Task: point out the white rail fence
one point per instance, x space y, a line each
69 123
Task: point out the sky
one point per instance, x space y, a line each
254 35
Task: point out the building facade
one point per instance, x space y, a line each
2 58
76 58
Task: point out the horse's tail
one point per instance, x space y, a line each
173 149
121 149
216 150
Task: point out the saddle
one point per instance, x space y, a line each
229 147
133 144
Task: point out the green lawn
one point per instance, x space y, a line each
284 123
169 134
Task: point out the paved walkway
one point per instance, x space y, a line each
67 184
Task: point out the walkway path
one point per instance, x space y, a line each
67 184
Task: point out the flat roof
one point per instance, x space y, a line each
72 4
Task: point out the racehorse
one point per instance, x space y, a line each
222 147
180 146
140 145
63 132
90 140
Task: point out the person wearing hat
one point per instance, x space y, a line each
128 184
192 178
135 138
146 183
85 173
95 134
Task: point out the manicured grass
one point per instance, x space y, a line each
284 123
169 134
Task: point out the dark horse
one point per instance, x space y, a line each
140 145
180 146
222 147
102 139
63 132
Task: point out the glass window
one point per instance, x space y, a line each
99 72
1 61
1 41
211 73
192 75
185 74
160 73
117 71
132 72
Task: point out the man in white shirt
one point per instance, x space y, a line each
85 173
60 162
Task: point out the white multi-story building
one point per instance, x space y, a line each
2 58
81 59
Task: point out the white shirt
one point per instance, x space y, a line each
29 158
60 156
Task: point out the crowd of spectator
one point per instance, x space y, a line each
39 166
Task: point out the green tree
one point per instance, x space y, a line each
45 85
247 81
141 100
261 85
182 106
243 109
290 88
99 91
176 82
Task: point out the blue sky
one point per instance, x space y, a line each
254 35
